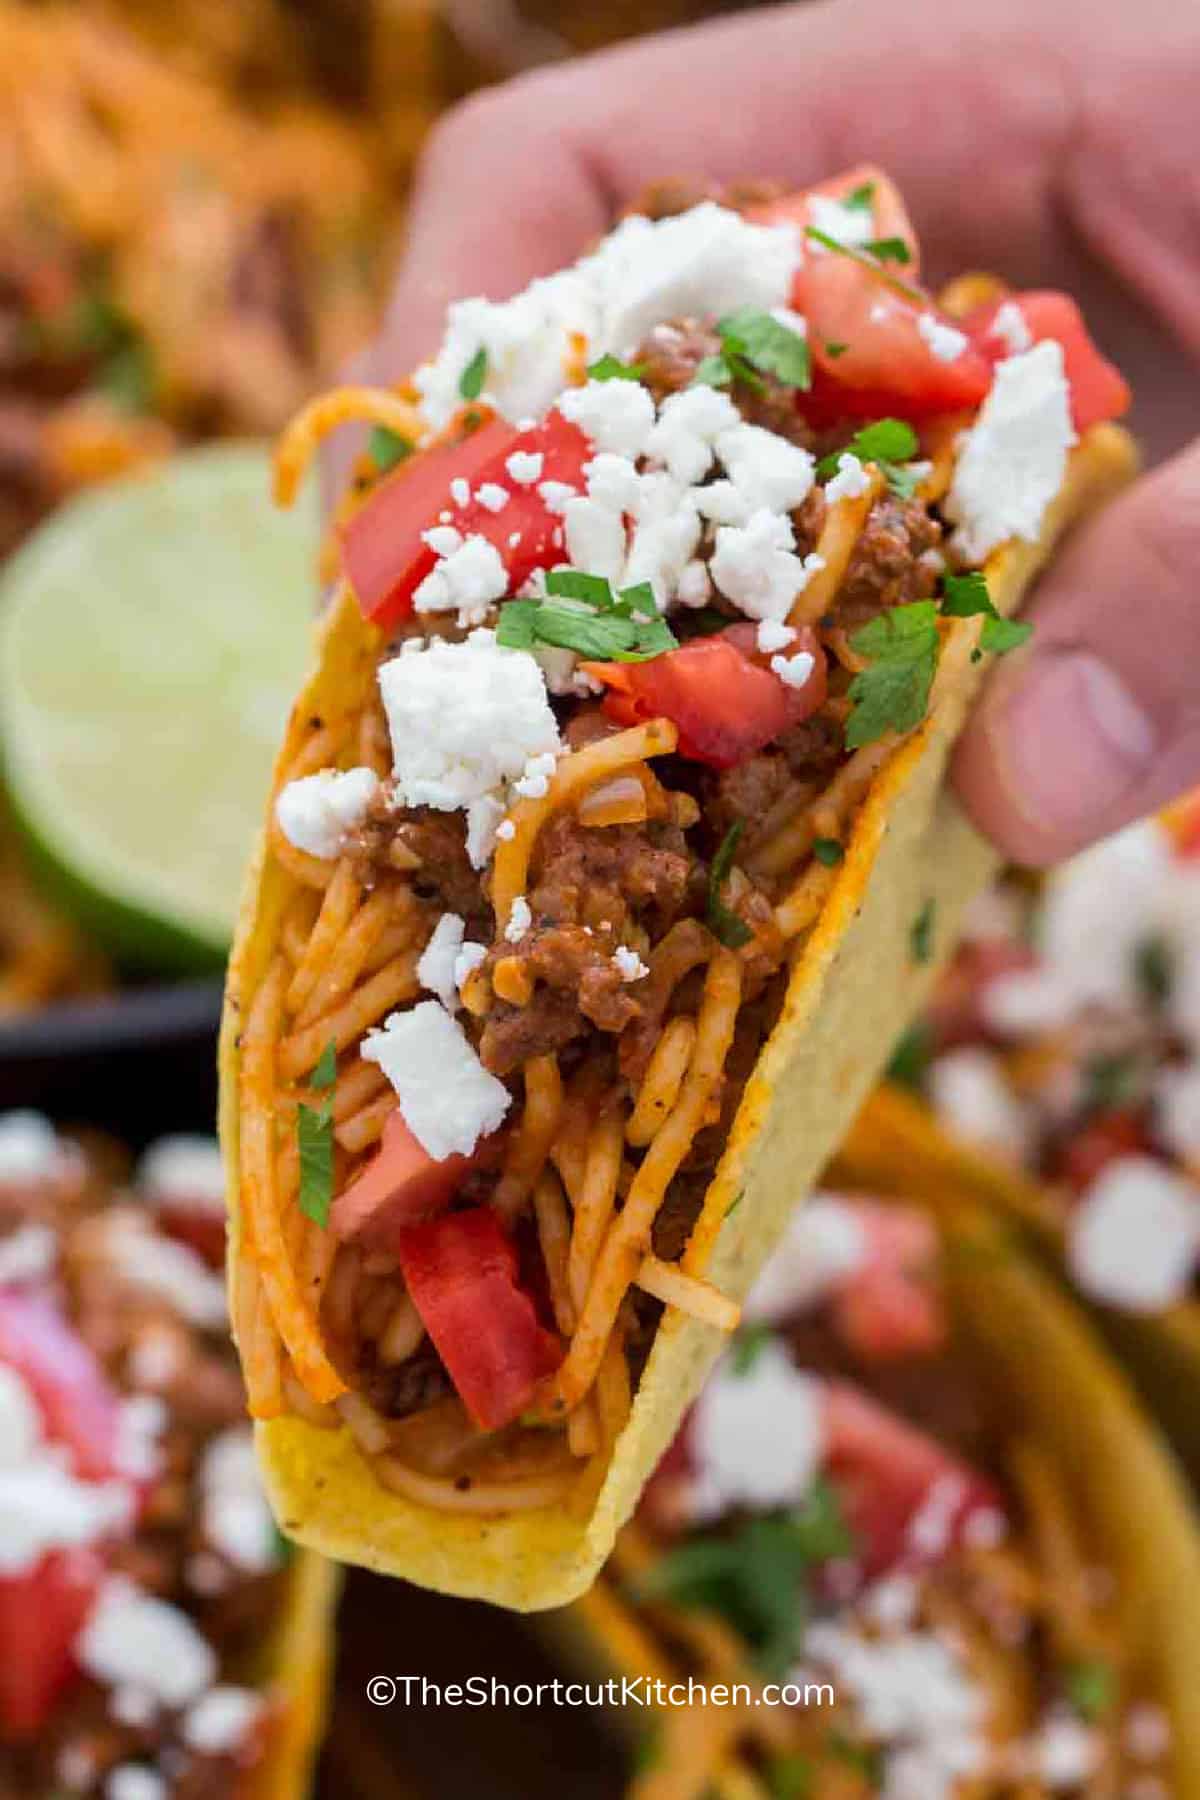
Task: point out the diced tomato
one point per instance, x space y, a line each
200 1227
41 1614
1106 1138
956 1015
884 1472
889 1305
385 555
79 1409
401 1185
1099 391
889 215
726 703
461 1273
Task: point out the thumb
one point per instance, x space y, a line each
1098 722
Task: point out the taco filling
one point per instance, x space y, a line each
141 1576
853 1527
665 557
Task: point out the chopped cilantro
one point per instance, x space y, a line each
712 371
889 444
749 1345
828 851
920 937
1112 1082
128 377
314 1133
889 249
892 693
735 1203
732 931
965 596
648 1750
387 448
583 614
834 349
611 368
1154 968
754 344
470 382
869 259
911 1058
867 1759
1090 1686
820 1525
862 199
282 1545
790 1777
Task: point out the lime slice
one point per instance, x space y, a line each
152 637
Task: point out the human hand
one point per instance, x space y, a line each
1052 145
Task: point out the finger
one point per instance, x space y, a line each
1099 722
517 181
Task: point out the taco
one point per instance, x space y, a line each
582 918
157 1636
914 1540
1056 1077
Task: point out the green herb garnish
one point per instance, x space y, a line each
1091 1688
862 199
387 448
892 694
611 368
828 851
314 1133
470 382
749 1344
1154 969
735 1203
834 349
790 1777
582 613
920 936
889 249
732 931
889 444
1113 1082
754 344
911 1058
867 1759
873 262
965 596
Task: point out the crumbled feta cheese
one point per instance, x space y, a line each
969 1093
693 587
1009 325
534 783
435 970
893 1602
1013 459
443 540
483 827
20 1420
130 1706
141 1421
613 482
525 466
317 812
145 1259
520 919
946 342
467 961
27 1254
131 1781
460 490
756 567
555 494
29 1147
773 635
595 534
1147 1732
220 1722
43 1507
463 719
492 496
1089 945
1064 1753
931 1527
756 1438
629 964
506 831
616 415
237 1519
467 582
689 424
133 1640
794 671
853 225
1025 1000
664 540
1133 1239
184 1167
1177 1110
850 482
767 471
824 1244
448 1099
525 340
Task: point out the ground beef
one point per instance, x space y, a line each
747 791
896 560
515 1033
670 356
445 874
399 1389
589 876
677 1215
815 747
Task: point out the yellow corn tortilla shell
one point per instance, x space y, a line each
1059 1387
897 1146
296 1663
853 988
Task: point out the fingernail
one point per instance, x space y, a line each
1076 742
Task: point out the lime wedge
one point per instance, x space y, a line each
152 638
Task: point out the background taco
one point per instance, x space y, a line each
582 917
920 1482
